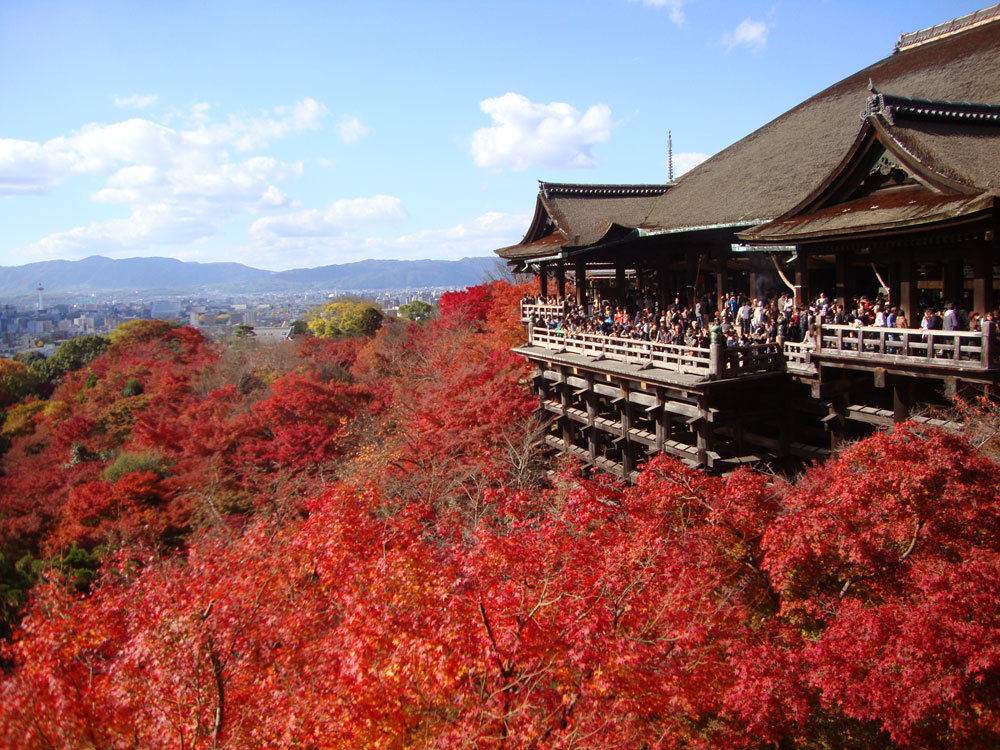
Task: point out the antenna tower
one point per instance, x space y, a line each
670 158
40 290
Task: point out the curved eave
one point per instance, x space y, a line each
812 229
543 248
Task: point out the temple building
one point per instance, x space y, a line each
883 184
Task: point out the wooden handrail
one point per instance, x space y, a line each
529 308
677 357
957 350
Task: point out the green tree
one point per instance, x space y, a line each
346 317
29 358
16 381
418 311
71 355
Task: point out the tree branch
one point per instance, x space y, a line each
504 670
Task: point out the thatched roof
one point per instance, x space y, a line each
768 172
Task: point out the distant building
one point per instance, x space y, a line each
165 309
272 334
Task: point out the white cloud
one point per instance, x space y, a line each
247 133
686 161
527 135
136 101
178 184
674 7
476 237
28 168
351 129
751 34
483 234
336 219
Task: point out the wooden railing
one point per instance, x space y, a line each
949 349
542 311
715 361
744 360
797 353
958 350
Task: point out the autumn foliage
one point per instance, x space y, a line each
348 543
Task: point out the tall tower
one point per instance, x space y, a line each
670 158
40 290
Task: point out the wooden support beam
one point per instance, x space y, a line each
902 399
982 278
802 292
663 281
705 439
870 415
836 422
593 438
721 271
953 272
625 412
843 293
908 292
581 283
560 280
565 424
691 267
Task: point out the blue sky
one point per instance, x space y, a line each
295 134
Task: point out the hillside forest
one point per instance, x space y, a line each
355 542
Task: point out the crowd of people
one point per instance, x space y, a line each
742 320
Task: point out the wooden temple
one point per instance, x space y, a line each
887 180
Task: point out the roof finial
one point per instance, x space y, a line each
871 86
670 158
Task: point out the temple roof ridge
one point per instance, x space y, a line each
601 190
948 28
891 107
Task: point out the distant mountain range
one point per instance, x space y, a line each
100 274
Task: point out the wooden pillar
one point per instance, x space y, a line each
543 280
704 435
843 293
902 399
836 422
894 277
566 426
691 275
560 280
664 292
620 282
716 359
625 415
785 432
908 292
581 283
721 268
982 278
592 432
952 272
803 294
